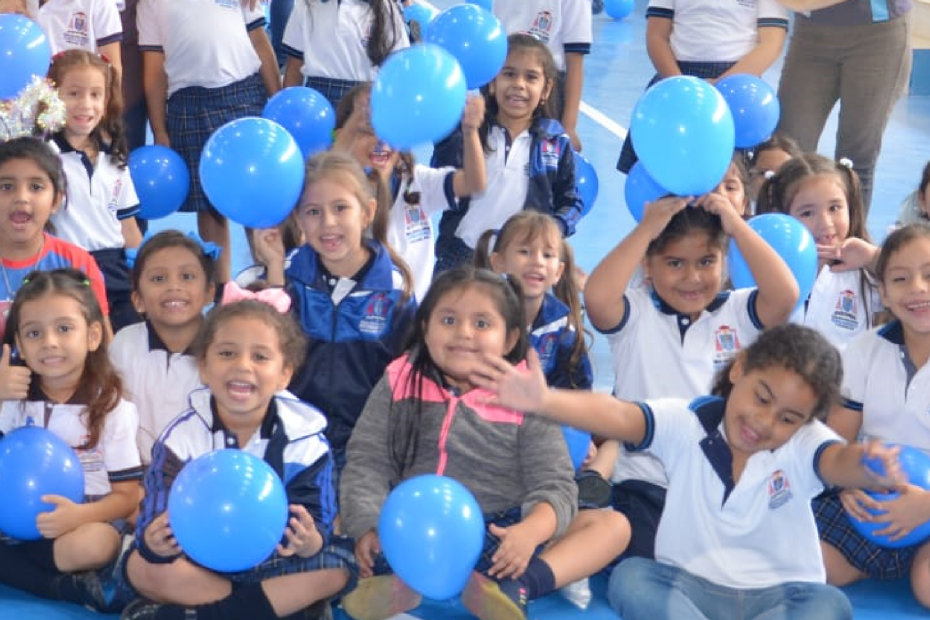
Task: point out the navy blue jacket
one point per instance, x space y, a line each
553 340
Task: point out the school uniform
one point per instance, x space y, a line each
553 338
99 196
212 71
158 381
838 307
881 382
331 40
79 24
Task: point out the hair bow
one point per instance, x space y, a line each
274 297
208 248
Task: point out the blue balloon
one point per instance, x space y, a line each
475 37
487 5
252 171
618 9
431 531
418 96
793 243
161 179
683 133
754 106
306 114
639 189
915 464
586 183
228 510
420 14
578 443
35 462
24 52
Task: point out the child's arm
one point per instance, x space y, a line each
292 74
574 82
519 541
269 69
843 465
67 516
132 236
604 290
155 83
472 178
659 47
763 55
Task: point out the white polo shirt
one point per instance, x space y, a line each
880 380
508 179
563 25
206 42
158 381
837 308
99 196
410 227
80 24
717 30
115 457
331 38
757 533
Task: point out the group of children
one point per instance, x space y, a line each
357 357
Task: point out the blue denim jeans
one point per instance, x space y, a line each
642 589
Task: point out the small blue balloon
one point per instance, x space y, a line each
791 241
683 133
586 182
578 443
475 37
418 96
915 464
618 9
487 5
228 510
754 106
161 179
252 171
419 13
431 531
24 52
306 114
639 189
35 462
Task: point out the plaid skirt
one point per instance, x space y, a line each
703 70
194 113
837 531
334 90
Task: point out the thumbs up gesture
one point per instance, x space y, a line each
14 380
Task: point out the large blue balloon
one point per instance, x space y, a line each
432 531
586 182
475 37
228 510
487 5
578 443
24 52
754 106
418 96
793 243
915 464
639 189
618 9
161 179
306 114
683 133
35 462
252 171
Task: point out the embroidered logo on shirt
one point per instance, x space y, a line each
546 347
375 320
76 34
779 490
844 315
417 225
113 204
542 26
228 4
726 345
550 153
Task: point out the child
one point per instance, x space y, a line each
351 293
205 64
885 397
99 215
670 337
767 158
711 42
825 196
332 46
734 185
418 191
90 25
270 249
743 466
32 187
58 330
425 416
528 157
915 206
172 282
247 352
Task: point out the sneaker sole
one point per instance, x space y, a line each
379 598
483 598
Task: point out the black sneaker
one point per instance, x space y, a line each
491 600
597 6
140 609
321 610
83 588
593 490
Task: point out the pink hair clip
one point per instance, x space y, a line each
274 297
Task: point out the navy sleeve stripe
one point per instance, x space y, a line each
855 405
577 48
660 12
293 53
650 430
134 473
772 22
113 38
151 48
817 456
258 23
753 313
125 214
448 187
622 324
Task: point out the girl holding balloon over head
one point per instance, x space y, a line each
99 215
56 327
824 195
425 416
247 351
528 155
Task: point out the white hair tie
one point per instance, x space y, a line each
846 162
